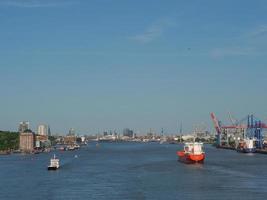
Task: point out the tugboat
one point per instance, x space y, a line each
192 153
54 163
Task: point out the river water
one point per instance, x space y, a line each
133 171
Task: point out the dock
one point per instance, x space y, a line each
260 151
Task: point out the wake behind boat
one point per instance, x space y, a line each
192 153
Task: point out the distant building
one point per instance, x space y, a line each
202 134
42 129
149 135
115 133
70 139
23 126
71 131
188 138
48 131
41 141
26 141
127 132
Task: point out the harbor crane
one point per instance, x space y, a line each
252 129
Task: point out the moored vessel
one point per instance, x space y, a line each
71 148
62 148
247 146
54 163
192 153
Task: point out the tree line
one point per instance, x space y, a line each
9 140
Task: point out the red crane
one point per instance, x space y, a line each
216 123
233 126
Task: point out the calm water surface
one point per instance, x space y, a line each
133 171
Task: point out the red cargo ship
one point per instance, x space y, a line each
192 153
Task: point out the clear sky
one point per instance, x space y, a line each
106 64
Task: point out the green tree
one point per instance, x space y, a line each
9 140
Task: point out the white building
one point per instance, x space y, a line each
42 129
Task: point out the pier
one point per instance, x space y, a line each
260 151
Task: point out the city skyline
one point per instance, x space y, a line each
103 65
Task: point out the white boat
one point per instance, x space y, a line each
54 163
76 146
247 146
71 147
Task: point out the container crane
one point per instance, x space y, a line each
252 129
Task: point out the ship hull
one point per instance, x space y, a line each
52 168
190 158
247 150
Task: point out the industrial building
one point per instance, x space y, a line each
27 141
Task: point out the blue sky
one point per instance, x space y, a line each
105 64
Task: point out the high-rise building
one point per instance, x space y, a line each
128 132
71 131
23 126
48 131
42 129
26 141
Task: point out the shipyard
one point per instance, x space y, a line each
246 135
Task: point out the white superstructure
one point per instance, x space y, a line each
194 147
249 143
54 163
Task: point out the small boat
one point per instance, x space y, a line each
54 163
192 153
71 148
62 148
76 146
246 146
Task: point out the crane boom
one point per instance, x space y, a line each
216 123
233 121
